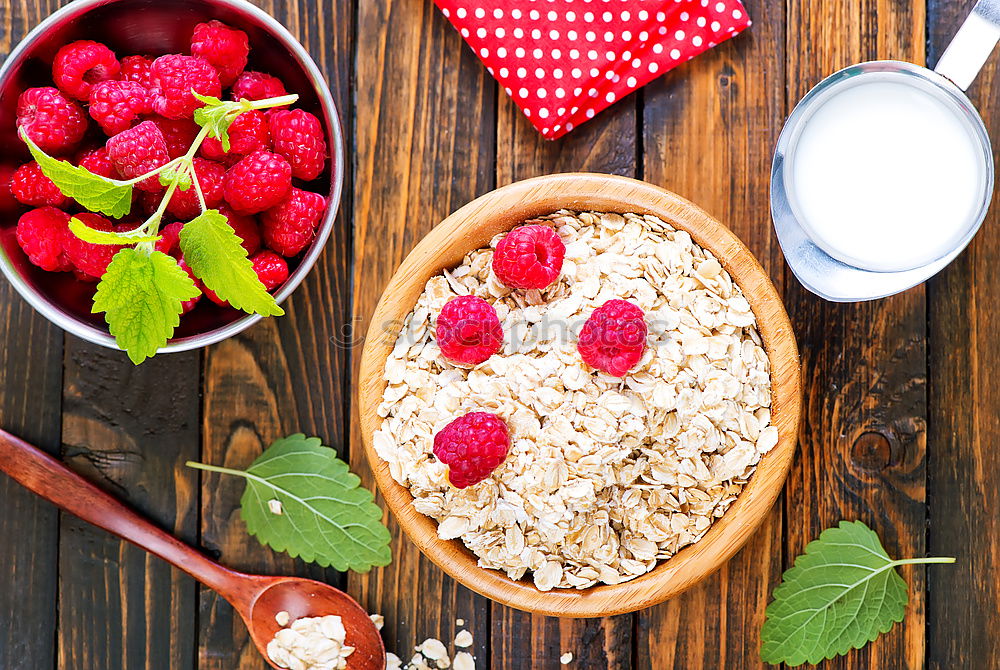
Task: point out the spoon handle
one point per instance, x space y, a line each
972 45
49 478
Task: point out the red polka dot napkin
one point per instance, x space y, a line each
563 61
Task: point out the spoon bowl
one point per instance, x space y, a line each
256 598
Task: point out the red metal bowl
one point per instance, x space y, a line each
152 28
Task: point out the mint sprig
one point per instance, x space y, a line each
842 593
142 292
302 499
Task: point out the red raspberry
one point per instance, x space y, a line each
299 137
137 151
79 65
97 161
90 259
472 446
290 227
174 77
468 330
258 182
185 204
136 68
43 233
271 269
170 238
614 338
179 134
248 133
224 47
33 188
7 201
245 227
188 305
257 86
52 121
529 257
115 105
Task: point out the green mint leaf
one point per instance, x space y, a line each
217 116
217 257
98 194
141 296
842 593
181 176
301 499
88 234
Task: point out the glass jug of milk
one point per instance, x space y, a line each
884 171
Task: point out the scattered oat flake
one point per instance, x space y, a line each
459 622
566 658
464 661
433 649
275 507
463 639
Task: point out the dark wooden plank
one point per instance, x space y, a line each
863 438
608 144
128 429
425 146
963 608
709 128
30 406
284 376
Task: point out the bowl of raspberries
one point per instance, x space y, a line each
172 171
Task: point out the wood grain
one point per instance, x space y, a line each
709 129
129 429
425 130
863 437
963 607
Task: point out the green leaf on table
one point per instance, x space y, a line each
302 499
217 257
842 593
94 192
94 236
141 296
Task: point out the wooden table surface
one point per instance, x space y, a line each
902 412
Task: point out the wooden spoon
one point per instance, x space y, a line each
257 599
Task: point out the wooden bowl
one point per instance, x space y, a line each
472 227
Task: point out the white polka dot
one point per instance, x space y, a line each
571 16
576 73
556 128
590 113
716 25
685 16
480 12
643 36
497 13
577 92
485 53
569 127
574 54
522 73
662 30
515 13
590 36
574 109
541 93
519 52
636 62
696 40
504 72
675 53
609 36
610 97
608 17
553 35
481 33
657 48
609 75
500 32
720 7
527 112
460 12
552 15
661 17
592 93
626 35
536 34
489 69
653 67
557 73
592 55
626 16
518 33
543 113
571 35
630 82
679 35
540 73
509 92
610 55
537 53
626 55
737 14
444 10
643 15
594 72
534 14
560 93
588 17
702 21
465 32
522 92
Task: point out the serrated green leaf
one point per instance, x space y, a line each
216 255
842 593
88 234
141 296
217 116
301 499
94 192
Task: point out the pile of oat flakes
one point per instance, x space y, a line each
605 476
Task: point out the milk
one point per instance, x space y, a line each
886 176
